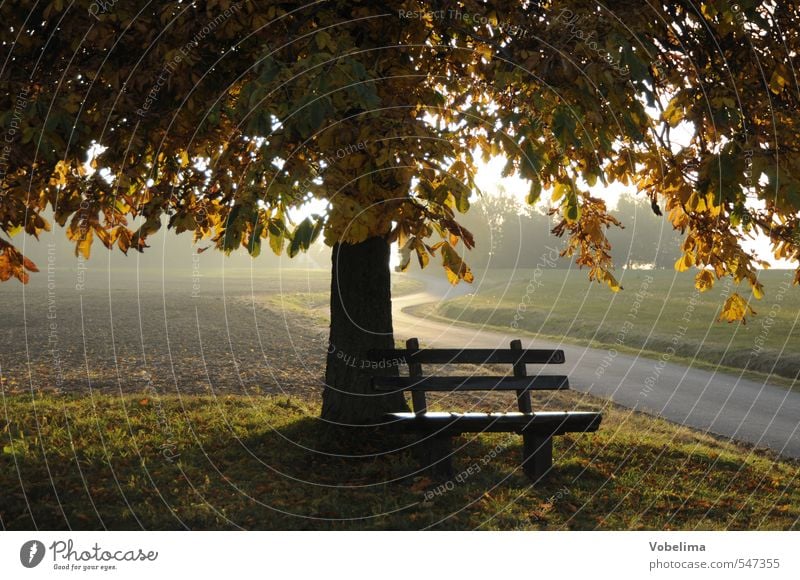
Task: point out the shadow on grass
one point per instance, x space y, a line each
271 464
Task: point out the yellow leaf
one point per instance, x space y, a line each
612 282
84 245
777 82
559 191
455 267
736 309
673 113
704 280
485 51
684 262
696 202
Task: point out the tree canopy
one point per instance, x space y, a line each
220 116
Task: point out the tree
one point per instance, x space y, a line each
646 240
505 229
221 116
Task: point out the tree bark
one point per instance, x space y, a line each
361 319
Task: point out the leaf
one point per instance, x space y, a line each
462 199
674 112
777 82
421 485
277 235
108 235
322 39
535 192
302 237
276 244
405 255
573 210
563 127
29 265
560 190
485 51
758 290
6 267
684 262
609 279
454 266
458 169
124 239
704 280
254 241
736 309
84 244
422 253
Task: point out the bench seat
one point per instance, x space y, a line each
541 423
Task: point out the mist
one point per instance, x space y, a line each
169 260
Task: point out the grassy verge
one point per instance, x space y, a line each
267 463
655 311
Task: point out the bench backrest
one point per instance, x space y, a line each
518 357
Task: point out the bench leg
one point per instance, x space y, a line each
537 455
436 456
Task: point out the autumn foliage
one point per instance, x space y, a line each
216 118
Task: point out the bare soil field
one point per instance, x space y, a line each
188 336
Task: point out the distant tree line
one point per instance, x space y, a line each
510 234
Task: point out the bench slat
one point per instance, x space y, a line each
472 383
542 423
470 356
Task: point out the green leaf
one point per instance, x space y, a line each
254 243
573 210
232 238
563 127
277 232
302 237
535 192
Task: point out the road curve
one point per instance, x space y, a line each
723 404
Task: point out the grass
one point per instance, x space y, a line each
99 462
655 309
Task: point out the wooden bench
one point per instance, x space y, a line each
537 428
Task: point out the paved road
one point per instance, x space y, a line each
723 404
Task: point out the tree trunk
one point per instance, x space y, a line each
361 319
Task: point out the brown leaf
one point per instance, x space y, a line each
421 484
30 265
